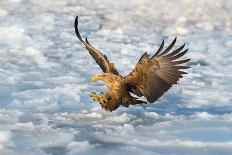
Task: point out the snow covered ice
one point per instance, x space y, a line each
45 77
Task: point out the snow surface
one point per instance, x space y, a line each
45 77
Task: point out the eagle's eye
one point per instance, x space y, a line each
104 101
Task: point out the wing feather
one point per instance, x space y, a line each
169 47
159 50
176 51
178 55
180 62
154 76
100 58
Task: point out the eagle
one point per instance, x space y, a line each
151 77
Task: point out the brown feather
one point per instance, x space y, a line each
150 78
175 51
155 76
100 58
169 47
180 62
159 50
143 56
179 55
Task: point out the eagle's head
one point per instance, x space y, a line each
105 77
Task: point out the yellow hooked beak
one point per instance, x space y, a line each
94 78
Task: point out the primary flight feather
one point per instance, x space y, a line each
151 77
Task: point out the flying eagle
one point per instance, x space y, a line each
151 77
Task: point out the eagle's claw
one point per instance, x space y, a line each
103 105
94 96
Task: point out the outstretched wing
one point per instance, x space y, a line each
100 58
152 77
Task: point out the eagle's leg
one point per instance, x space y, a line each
103 100
95 97
103 97
103 105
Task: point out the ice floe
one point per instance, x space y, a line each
45 75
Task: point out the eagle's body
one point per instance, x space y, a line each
151 77
117 91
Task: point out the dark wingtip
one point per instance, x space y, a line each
175 39
77 30
181 47
143 56
76 20
162 44
159 50
86 40
76 25
179 55
168 48
187 60
176 51
182 67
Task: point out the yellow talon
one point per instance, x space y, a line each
103 97
103 101
103 105
95 97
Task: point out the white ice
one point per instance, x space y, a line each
45 77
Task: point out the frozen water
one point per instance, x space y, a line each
45 77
